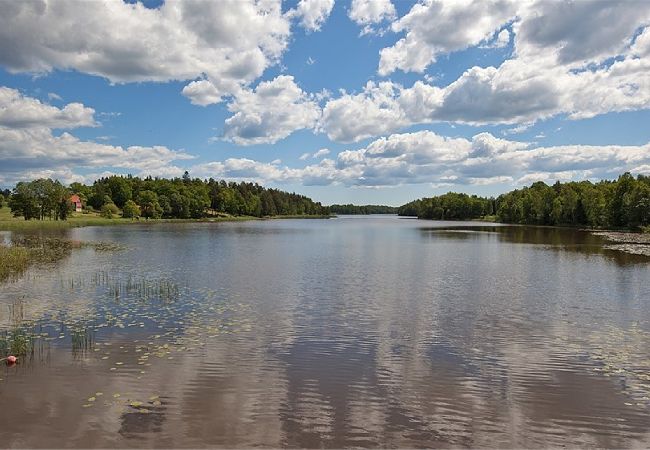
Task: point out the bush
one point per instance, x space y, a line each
130 210
109 210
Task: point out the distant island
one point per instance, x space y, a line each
362 209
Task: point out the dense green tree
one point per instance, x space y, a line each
149 205
363 209
185 197
450 206
99 193
130 210
39 199
120 190
624 203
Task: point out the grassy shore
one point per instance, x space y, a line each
10 223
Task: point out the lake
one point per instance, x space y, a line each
354 331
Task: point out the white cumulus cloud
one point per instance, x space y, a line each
270 112
19 111
229 42
435 27
312 13
29 148
425 157
202 93
367 13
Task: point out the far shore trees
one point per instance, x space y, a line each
363 209
177 198
624 203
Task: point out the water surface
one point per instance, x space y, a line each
355 331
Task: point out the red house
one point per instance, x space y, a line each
76 202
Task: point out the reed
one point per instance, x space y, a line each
13 261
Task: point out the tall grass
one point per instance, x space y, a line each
13 261
27 250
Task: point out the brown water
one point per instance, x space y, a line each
330 333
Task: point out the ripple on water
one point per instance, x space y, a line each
365 335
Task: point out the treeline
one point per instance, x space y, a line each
362 209
450 206
181 198
40 199
624 203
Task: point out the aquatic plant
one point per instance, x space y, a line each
13 260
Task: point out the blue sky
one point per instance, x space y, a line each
403 99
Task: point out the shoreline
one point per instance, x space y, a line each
14 224
626 241
15 259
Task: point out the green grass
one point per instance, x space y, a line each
10 223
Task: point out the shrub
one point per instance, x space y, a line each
109 210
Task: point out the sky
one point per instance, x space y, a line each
346 101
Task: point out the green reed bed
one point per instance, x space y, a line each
13 260
16 259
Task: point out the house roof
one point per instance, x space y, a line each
75 198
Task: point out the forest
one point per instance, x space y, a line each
179 198
450 206
362 209
623 203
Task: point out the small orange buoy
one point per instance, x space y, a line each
11 359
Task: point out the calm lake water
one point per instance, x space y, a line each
355 331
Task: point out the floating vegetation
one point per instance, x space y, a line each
104 246
17 342
634 243
121 320
28 250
